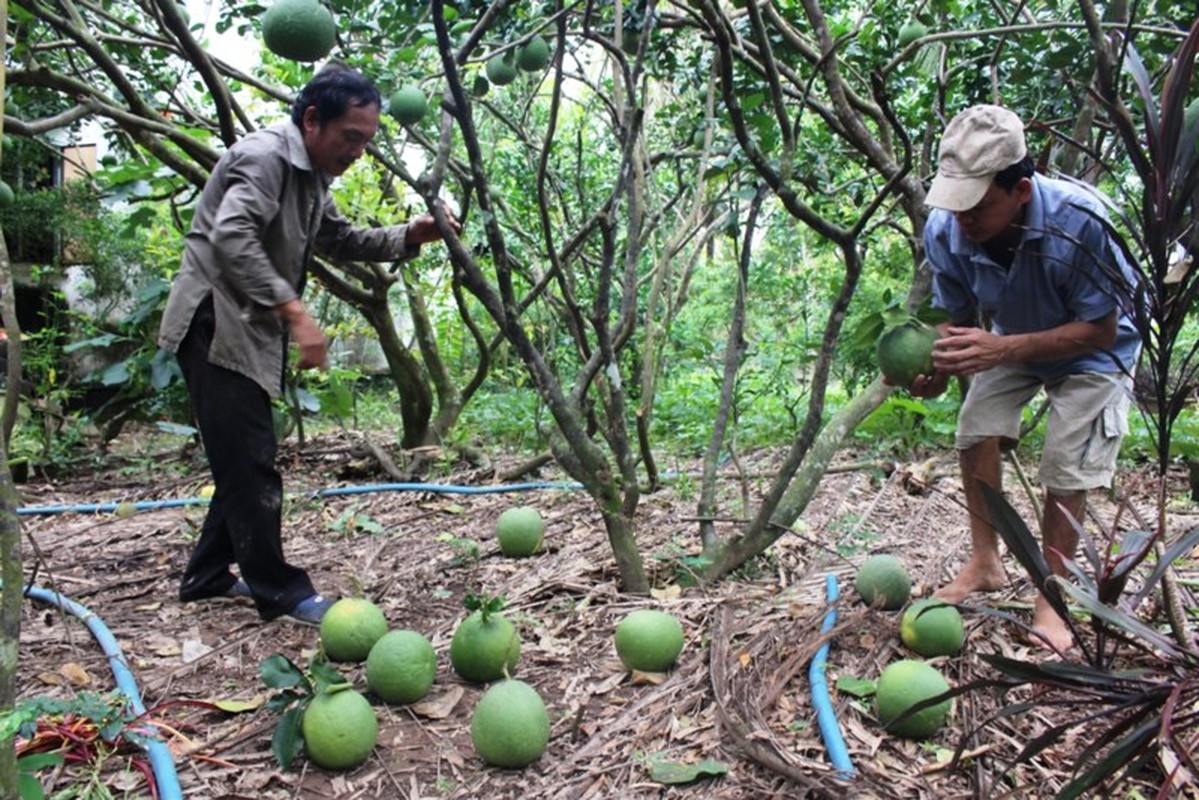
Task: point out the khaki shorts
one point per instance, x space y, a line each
1088 416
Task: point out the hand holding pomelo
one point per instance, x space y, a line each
905 352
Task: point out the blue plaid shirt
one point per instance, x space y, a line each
1064 271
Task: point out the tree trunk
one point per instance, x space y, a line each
10 617
807 479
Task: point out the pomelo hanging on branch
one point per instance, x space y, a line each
302 30
408 105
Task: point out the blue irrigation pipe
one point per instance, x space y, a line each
442 488
160 755
826 717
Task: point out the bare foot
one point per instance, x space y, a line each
976 576
1048 629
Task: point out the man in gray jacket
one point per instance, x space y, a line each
236 301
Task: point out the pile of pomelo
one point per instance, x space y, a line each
929 627
510 725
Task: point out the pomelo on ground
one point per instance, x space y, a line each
510 726
302 30
901 686
350 629
408 104
649 640
520 531
534 54
501 69
905 351
401 667
484 647
883 581
932 627
339 728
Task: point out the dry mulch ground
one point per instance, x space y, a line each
739 694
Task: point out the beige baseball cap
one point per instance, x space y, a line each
977 143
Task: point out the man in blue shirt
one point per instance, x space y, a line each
1037 295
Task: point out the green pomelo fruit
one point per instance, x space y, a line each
902 685
520 531
481 86
408 104
911 32
401 667
906 351
501 69
339 728
932 627
883 581
510 726
7 196
484 650
648 640
534 54
350 629
302 30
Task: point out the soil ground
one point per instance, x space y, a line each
739 696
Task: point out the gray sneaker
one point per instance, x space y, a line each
310 611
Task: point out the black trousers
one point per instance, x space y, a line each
244 522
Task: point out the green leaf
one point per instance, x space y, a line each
673 773
278 672
29 787
857 687
324 675
239 706
288 741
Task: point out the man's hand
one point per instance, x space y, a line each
307 335
965 351
423 229
933 385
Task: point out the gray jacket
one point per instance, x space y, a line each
263 212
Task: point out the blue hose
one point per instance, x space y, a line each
830 730
160 755
147 505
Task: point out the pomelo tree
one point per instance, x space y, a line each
660 139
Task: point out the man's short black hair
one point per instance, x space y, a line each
332 91
1008 177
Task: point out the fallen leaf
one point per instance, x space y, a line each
240 706
441 706
651 678
50 678
671 592
858 687
75 673
193 650
746 659
673 773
